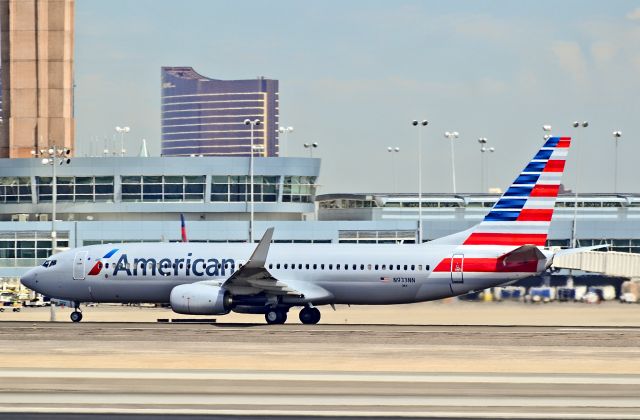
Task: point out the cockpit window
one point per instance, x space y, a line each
49 263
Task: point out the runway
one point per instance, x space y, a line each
323 370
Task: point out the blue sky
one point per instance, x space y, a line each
354 73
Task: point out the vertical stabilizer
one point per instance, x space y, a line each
523 214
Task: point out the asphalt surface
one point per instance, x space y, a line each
174 370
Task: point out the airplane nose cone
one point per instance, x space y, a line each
29 278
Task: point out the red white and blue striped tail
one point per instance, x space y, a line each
523 214
183 229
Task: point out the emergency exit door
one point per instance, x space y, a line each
457 268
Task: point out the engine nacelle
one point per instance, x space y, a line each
200 299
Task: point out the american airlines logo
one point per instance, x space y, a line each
198 267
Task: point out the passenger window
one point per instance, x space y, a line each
307 266
270 265
376 267
315 266
361 266
405 267
427 267
278 266
181 265
321 266
419 267
354 267
299 266
286 266
330 266
337 266
413 267
384 267
106 265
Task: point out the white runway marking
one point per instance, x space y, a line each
240 375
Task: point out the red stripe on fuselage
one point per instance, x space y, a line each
515 239
541 190
535 215
96 269
488 265
554 166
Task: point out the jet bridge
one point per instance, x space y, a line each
614 264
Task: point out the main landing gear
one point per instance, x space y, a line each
76 315
276 316
309 315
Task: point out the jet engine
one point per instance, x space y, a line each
200 299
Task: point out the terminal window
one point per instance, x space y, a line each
15 189
158 188
78 189
238 188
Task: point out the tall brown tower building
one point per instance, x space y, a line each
37 75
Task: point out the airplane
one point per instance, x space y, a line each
270 279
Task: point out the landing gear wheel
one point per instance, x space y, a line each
76 316
309 315
275 316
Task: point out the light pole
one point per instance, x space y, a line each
419 125
251 124
393 151
122 131
616 137
574 239
452 136
53 156
311 146
284 131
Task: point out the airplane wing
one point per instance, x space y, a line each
253 278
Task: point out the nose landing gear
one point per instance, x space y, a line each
76 315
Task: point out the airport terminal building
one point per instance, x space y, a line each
135 199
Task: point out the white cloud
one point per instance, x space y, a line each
634 14
571 60
603 52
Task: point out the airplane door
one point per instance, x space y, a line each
79 265
457 268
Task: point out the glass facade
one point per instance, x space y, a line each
28 249
203 116
163 188
160 188
15 189
238 188
76 189
298 189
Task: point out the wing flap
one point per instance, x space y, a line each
253 277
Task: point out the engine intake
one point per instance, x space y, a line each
200 299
